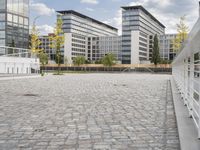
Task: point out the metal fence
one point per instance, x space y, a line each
6 51
18 61
186 73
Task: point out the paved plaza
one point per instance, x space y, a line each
88 112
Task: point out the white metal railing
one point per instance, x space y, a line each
18 61
15 52
186 73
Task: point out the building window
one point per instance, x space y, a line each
2 4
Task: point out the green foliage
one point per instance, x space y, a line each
59 59
108 60
65 60
182 35
156 51
35 41
43 58
79 60
88 62
98 62
57 41
164 61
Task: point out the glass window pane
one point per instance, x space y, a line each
15 19
2 4
2 17
2 34
9 17
2 25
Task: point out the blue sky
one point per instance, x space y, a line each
167 12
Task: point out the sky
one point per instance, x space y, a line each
168 12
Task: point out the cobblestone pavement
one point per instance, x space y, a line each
88 111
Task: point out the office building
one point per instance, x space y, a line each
138 30
78 28
100 46
45 46
14 23
166 46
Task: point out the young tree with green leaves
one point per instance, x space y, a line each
79 60
35 41
57 41
43 59
156 51
108 60
182 35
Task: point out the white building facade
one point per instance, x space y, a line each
77 29
138 29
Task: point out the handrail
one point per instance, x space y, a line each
186 73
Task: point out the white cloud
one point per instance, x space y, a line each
45 29
168 12
116 21
90 1
41 9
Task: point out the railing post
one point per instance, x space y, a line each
199 105
191 84
185 81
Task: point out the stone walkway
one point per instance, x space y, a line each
88 111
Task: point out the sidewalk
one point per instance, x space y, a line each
187 131
17 76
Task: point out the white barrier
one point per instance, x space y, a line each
186 73
18 61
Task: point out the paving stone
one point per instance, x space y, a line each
88 111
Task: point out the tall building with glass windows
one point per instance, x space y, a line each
138 30
77 29
14 23
101 46
167 51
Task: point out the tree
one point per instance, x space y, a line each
65 60
79 60
35 41
108 60
57 41
156 51
182 35
43 59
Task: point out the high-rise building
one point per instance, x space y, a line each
138 30
167 51
46 46
101 46
77 29
14 23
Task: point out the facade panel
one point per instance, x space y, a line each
14 23
138 25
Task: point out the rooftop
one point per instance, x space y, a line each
145 11
86 17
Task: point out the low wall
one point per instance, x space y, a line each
108 69
18 65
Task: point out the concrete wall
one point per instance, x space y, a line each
17 65
135 47
68 47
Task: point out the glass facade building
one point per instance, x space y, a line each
138 29
167 51
79 30
101 46
14 23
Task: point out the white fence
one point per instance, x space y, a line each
186 73
18 61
